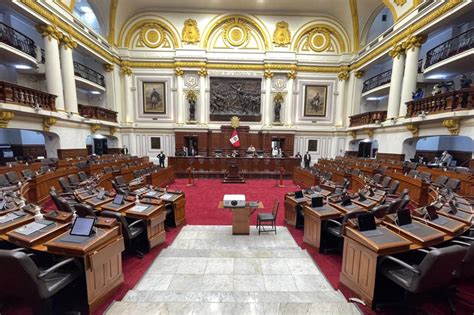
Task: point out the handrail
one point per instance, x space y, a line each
451 47
443 102
95 112
88 74
18 40
16 94
367 118
377 80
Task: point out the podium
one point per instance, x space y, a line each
233 174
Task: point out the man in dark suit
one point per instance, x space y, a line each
307 160
161 158
124 150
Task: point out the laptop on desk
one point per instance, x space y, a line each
404 220
81 230
367 226
299 197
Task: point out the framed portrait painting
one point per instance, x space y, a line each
315 98
154 97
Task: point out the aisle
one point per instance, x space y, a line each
207 270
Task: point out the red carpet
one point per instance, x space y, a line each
201 209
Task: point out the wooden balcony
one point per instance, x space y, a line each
99 113
15 94
368 118
443 102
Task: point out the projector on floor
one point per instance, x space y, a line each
234 201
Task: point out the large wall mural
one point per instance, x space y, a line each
235 97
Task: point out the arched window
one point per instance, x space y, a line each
84 12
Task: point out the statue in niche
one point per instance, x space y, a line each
191 97
277 100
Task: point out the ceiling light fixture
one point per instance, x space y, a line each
22 67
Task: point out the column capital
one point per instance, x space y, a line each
5 118
48 30
343 75
179 72
67 41
112 130
414 41
413 128
359 74
267 74
292 75
202 72
396 51
109 67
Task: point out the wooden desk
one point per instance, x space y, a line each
313 218
290 212
451 227
40 185
11 225
179 203
241 218
460 215
346 209
466 187
161 178
37 237
304 177
102 259
366 204
423 236
94 202
110 207
155 216
359 260
418 188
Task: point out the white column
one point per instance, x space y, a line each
398 56
111 86
202 96
181 110
341 87
412 52
67 69
289 113
54 82
353 93
127 105
268 117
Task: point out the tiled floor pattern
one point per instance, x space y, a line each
207 270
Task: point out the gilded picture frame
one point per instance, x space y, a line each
315 100
154 97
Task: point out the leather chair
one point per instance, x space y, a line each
413 173
61 203
452 184
336 229
13 177
385 182
433 272
120 181
377 177
44 169
265 217
136 174
440 181
425 176
120 189
393 187
73 180
4 181
404 193
404 203
27 173
64 183
82 176
465 270
84 210
394 205
131 230
21 278
379 211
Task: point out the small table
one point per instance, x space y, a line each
241 218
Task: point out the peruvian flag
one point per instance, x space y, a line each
234 139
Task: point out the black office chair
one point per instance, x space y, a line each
465 270
299 210
440 181
120 181
425 176
404 203
84 210
394 205
452 184
404 193
136 174
44 169
65 186
73 180
385 182
393 187
264 218
345 184
379 211
336 229
433 272
82 176
21 278
377 177
27 173
4 182
412 173
124 190
12 177
61 203
131 230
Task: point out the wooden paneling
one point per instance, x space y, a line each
71 153
390 156
304 177
290 212
29 150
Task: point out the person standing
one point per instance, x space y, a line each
298 155
307 160
161 158
124 150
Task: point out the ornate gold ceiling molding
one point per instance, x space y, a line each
190 33
95 128
5 118
414 41
292 75
69 8
155 25
233 19
282 34
323 31
355 26
112 17
113 130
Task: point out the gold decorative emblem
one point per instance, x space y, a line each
267 74
359 74
318 39
343 75
400 2
68 42
236 32
292 75
278 97
5 118
191 96
202 72
414 41
152 35
112 130
48 122
396 51
282 35
108 67
179 72
50 31
353 134
95 127
452 125
190 32
413 128
235 122
370 132
125 68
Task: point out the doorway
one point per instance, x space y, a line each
100 146
191 144
364 149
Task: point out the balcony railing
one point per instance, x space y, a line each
450 48
17 40
368 118
16 94
87 73
95 112
378 80
444 102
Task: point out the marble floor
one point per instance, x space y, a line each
207 270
